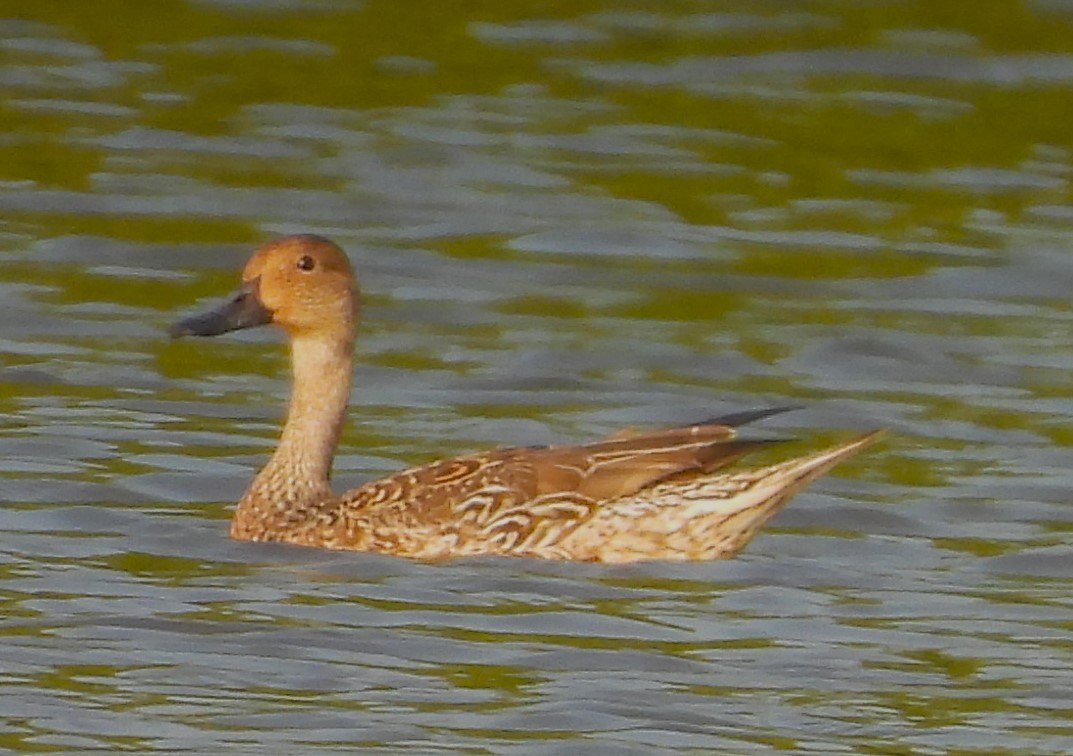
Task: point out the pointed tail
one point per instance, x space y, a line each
730 522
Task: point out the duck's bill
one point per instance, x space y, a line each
243 309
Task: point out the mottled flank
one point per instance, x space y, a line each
637 495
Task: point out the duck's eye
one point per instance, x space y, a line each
305 262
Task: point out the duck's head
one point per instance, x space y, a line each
304 284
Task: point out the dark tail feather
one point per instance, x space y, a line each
747 416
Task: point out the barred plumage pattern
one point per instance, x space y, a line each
652 496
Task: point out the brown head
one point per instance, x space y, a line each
304 284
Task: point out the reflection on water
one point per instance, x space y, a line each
567 218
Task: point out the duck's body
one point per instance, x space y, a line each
654 495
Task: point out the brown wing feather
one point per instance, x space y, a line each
523 487
604 474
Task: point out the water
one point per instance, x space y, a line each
567 218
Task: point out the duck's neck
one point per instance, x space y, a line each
294 484
319 396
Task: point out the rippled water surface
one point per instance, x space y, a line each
567 217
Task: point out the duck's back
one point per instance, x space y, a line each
522 501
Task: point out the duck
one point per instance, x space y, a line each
658 494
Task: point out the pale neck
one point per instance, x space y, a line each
319 396
294 486
302 461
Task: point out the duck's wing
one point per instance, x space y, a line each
505 499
